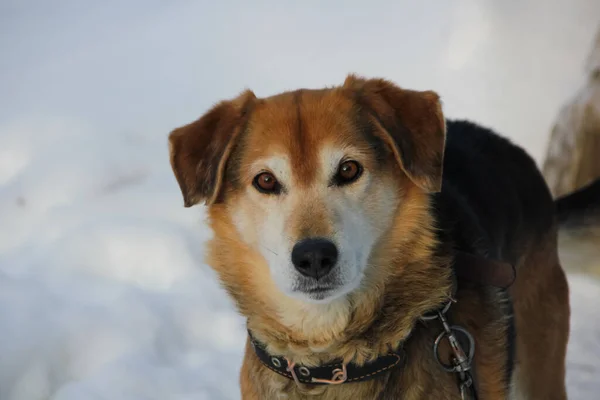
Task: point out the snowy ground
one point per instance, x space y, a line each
103 294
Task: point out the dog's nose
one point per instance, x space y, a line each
314 257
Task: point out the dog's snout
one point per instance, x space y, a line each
314 257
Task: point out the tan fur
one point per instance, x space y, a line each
299 137
546 319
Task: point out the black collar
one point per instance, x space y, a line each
466 267
334 373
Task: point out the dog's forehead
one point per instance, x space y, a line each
300 127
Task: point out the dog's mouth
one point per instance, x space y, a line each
324 290
318 291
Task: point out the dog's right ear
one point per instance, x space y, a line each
410 122
200 150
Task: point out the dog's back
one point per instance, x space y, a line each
494 200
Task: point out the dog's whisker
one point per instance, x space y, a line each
270 250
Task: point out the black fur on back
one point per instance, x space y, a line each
494 199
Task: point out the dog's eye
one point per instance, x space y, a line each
265 182
348 172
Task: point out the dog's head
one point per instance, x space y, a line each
311 180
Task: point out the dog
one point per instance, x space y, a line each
372 245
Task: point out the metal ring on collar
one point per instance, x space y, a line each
469 354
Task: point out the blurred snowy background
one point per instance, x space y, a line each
103 293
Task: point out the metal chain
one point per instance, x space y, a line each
461 361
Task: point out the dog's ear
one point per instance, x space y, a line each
199 150
410 122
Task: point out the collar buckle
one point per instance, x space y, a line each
340 375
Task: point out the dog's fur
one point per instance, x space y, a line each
396 233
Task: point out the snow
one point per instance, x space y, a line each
583 364
103 292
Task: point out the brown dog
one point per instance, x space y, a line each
343 216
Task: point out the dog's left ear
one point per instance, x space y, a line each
410 122
200 150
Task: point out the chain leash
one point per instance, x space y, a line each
461 360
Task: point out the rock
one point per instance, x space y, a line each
573 155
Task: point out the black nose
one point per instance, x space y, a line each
314 257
